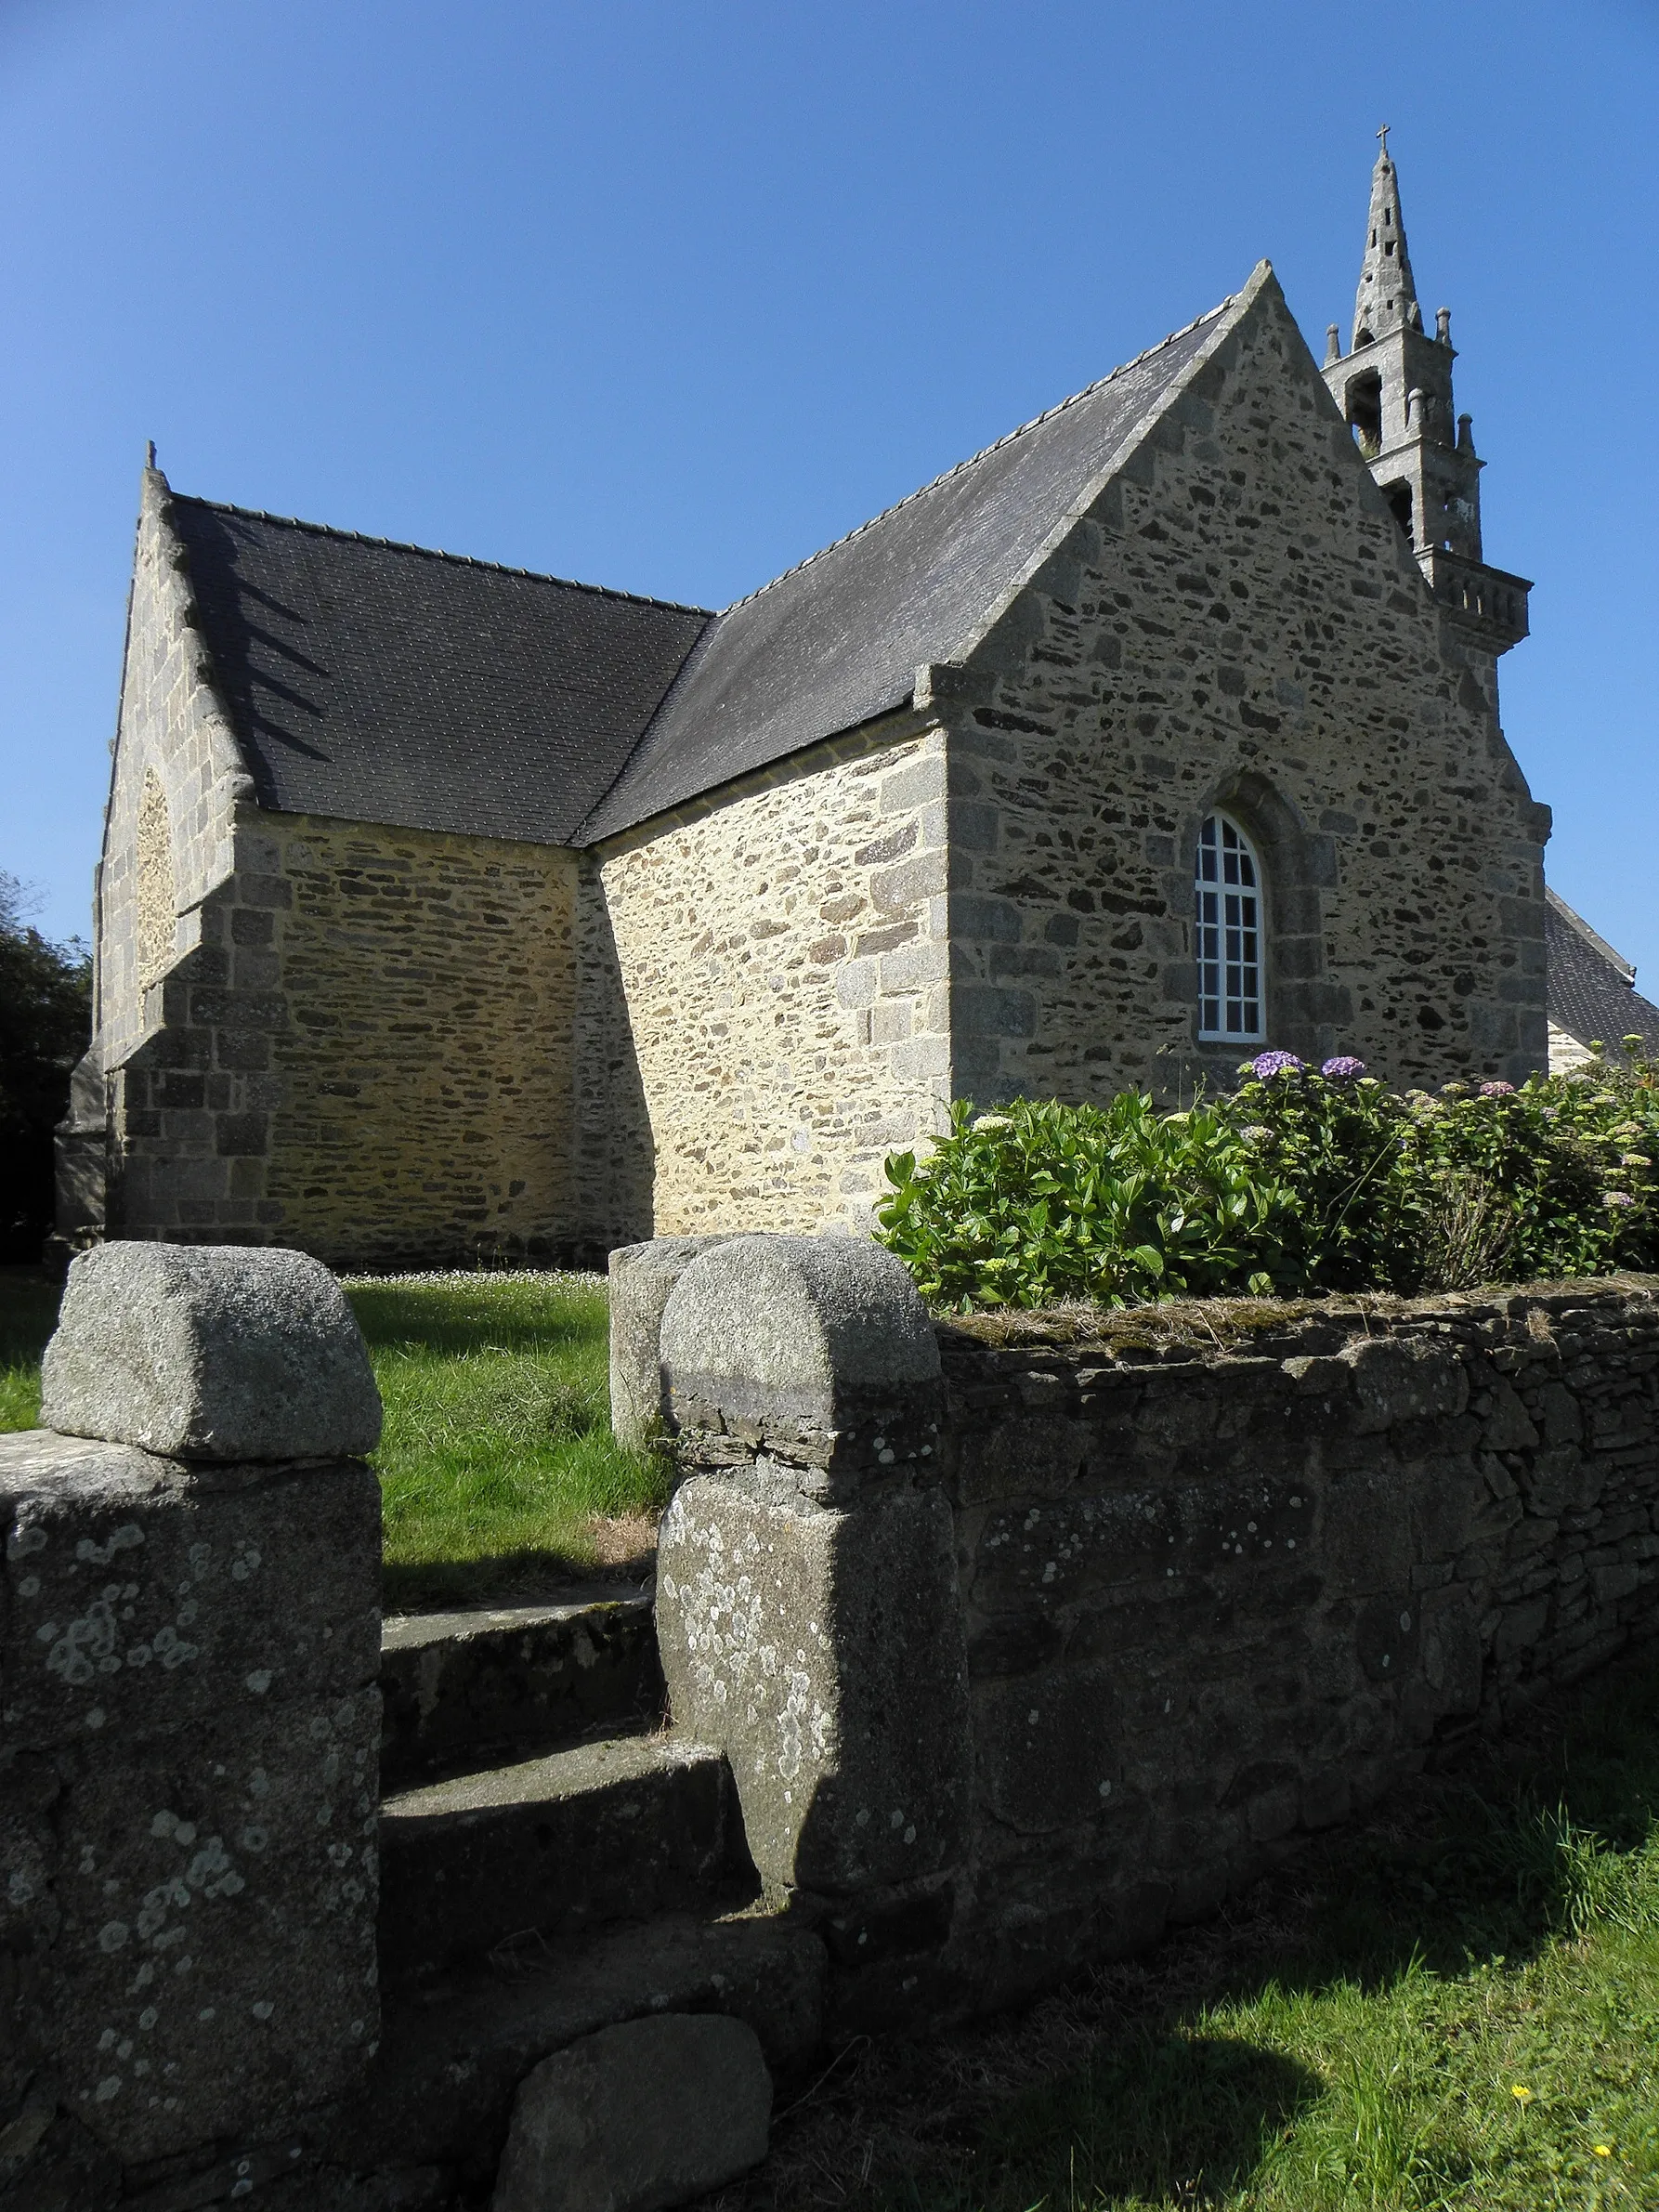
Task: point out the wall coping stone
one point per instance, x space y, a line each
210 1353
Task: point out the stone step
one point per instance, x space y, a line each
470 1688
453 2051
613 1830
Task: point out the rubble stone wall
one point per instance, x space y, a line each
1214 1599
782 958
1237 622
1193 1599
366 1054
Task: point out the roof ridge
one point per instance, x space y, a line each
973 460
433 552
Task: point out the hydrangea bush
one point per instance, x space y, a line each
1304 1180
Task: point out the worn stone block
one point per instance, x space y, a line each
1048 1751
640 1278
638 2117
1404 1379
824 1652
215 1966
625 1825
144 1592
803 1329
209 1352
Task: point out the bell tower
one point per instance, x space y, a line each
1394 387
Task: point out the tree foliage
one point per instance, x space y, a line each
46 1012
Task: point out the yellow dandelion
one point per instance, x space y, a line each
1603 2149
1521 2093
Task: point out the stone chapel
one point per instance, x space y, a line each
447 910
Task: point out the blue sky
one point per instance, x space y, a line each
667 295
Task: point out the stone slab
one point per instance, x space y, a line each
824 1652
640 1278
215 1965
615 1829
643 2116
210 1352
460 1687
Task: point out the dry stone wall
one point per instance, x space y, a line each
1215 1599
1238 622
1206 1599
782 961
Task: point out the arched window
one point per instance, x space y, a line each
1228 934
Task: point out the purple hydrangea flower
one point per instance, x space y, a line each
1498 1090
1267 1065
1617 1197
1344 1069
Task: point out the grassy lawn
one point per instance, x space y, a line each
497 1467
1457 2005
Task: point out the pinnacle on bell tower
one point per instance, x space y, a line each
1394 387
1387 298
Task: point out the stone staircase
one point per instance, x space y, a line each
555 1859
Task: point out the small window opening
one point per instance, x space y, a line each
1227 915
1365 409
1399 499
1389 246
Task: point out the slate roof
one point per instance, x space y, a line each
838 640
1592 991
376 682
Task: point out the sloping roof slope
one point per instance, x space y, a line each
376 682
840 638
1592 991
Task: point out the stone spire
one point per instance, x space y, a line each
1394 389
1386 298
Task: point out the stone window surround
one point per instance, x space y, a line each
1304 1012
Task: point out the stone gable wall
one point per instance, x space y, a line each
1238 622
368 1054
174 745
782 958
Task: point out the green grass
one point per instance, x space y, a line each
1357 2036
497 1456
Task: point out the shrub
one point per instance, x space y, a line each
1302 1181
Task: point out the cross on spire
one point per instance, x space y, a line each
1383 134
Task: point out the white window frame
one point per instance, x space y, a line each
1229 934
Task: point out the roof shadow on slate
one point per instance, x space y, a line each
838 640
375 682
1592 991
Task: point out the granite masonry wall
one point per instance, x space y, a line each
782 961
189 1797
1214 1599
366 1054
1206 1598
1237 621
177 777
